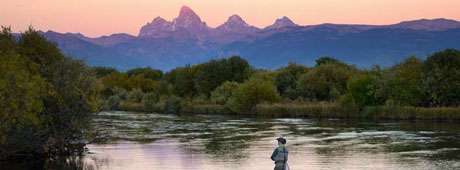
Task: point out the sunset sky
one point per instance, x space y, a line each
103 17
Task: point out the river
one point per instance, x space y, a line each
138 141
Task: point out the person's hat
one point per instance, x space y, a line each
281 139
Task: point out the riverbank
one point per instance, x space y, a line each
316 110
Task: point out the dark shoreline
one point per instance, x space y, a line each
319 111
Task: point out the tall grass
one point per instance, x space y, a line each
131 106
412 113
315 110
206 109
311 110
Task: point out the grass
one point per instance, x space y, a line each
412 113
206 109
132 106
318 110
311 110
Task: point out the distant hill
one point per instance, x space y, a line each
187 40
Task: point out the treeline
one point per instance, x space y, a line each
46 99
237 87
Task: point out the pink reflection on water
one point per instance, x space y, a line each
172 155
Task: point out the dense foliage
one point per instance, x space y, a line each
250 93
45 98
233 83
441 78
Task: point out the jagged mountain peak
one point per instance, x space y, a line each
189 20
282 22
158 20
187 14
186 11
155 28
235 23
236 19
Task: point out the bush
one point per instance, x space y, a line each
222 93
441 78
135 95
112 103
286 79
120 92
213 73
103 71
403 83
348 104
325 82
173 105
150 101
146 72
251 93
363 90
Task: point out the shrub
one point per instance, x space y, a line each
222 93
441 77
286 79
112 103
120 92
325 82
363 90
213 73
173 105
150 101
403 82
251 93
146 72
135 95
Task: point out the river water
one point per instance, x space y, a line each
138 141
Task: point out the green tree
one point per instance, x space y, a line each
112 102
103 71
7 40
64 100
212 74
112 81
21 89
34 46
222 93
251 93
146 72
286 79
328 60
441 78
150 100
325 82
182 80
73 95
140 82
173 105
362 89
135 95
403 82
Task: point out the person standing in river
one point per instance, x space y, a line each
280 155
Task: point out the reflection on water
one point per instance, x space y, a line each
204 142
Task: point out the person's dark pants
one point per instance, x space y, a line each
279 166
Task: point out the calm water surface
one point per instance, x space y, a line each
202 142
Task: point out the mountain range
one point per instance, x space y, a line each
187 39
